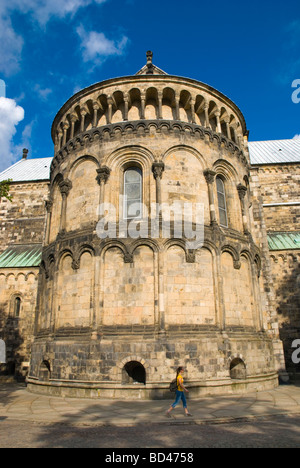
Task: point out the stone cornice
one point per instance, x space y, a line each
173 127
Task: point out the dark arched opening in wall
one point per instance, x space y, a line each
134 372
2 356
238 369
45 371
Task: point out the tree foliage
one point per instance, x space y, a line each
5 188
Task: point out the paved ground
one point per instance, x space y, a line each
264 419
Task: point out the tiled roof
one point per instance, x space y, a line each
284 240
274 151
21 256
27 170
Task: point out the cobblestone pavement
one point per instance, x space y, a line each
276 432
261 419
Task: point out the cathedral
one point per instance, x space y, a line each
104 291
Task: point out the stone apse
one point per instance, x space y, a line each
116 316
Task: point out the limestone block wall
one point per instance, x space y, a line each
17 323
280 186
280 199
286 273
22 221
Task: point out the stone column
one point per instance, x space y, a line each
65 187
226 120
110 108
49 206
160 97
242 190
177 102
206 115
83 113
59 139
161 293
258 318
73 119
143 102
193 111
158 169
126 106
65 128
96 107
102 178
217 114
210 179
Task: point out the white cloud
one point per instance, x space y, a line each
44 10
296 137
11 45
43 93
41 11
96 47
10 115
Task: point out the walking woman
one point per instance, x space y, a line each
179 393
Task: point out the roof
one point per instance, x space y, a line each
150 68
274 151
284 240
21 256
27 170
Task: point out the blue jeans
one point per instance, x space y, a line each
179 396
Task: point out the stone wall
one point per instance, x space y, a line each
280 185
17 324
22 221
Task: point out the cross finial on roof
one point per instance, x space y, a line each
150 70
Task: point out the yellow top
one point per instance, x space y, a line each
179 388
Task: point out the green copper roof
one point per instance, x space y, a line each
21 256
284 240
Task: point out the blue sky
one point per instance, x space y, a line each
49 49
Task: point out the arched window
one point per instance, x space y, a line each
222 202
17 307
133 182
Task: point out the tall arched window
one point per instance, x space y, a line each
17 307
133 183
222 202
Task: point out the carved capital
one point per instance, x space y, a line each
191 256
96 105
103 174
158 169
128 257
75 265
242 190
49 205
73 118
65 187
83 111
209 176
